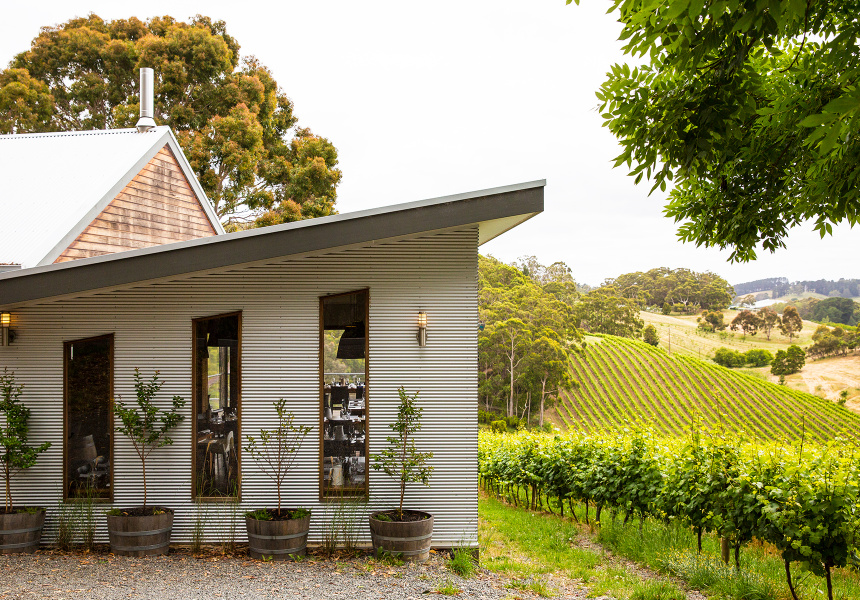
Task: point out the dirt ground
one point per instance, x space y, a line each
827 377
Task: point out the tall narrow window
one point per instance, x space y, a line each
343 383
217 374
88 389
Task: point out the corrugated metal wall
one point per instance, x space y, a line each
279 300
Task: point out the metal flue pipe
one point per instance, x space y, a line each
147 104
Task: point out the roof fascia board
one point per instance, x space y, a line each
112 193
204 254
225 269
179 154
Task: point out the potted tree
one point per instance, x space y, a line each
144 530
403 532
278 533
20 526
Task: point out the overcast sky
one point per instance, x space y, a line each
428 99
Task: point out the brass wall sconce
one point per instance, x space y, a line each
422 329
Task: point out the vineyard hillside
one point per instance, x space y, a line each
622 381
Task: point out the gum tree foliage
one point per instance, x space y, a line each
747 109
791 323
657 287
712 320
235 124
277 449
768 320
15 453
146 425
604 311
747 321
527 336
400 459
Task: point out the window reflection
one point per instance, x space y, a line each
216 401
344 393
88 385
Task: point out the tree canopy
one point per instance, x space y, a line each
527 337
674 286
235 124
748 108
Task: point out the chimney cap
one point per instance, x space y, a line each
147 93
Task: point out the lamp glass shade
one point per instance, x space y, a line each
422 319
5 319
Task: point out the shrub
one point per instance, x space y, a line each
649 335
727 357
499 426
758 357
513 422
788 361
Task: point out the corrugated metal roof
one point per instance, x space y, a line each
52 185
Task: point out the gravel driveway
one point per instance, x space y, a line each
184 577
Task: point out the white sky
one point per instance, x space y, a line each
428 99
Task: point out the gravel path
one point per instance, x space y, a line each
184 577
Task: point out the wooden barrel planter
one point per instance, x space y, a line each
21 532
410 540
277 540
140 535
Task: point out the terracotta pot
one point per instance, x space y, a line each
409 540
140 536
277 540
21 532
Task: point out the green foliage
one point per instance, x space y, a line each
802 498
662 286
788 361
768 320
758 357
649 335
277 448
147 426
401 460
528 335
604 311
746 108
791 322
747 321
726 357
235 124
835 310
462 562
15 453
499 426
711 321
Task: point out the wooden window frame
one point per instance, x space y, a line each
66 346
194 496
321 386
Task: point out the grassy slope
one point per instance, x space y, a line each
624 380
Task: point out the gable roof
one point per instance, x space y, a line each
494 211
52 185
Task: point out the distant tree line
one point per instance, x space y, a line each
830 310
780 286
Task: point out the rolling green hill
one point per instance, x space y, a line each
622 380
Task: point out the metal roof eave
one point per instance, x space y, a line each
495 210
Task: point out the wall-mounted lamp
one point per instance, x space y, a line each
5 323
422 329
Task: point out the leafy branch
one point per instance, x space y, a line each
147 426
